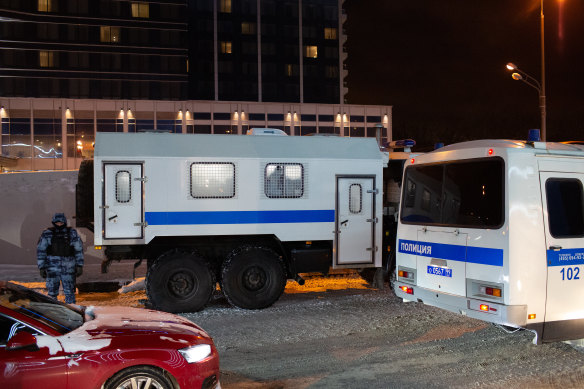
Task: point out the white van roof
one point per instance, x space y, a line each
540 147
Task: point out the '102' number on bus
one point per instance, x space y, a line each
570 273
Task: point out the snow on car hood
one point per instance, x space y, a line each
105 324
116 320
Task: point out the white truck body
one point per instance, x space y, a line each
152 187
494 229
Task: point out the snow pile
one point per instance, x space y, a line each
136 285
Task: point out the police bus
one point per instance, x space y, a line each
494 229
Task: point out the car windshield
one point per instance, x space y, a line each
55 314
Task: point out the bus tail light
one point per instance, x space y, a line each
490 291
485 290
406 274
407 289
484 307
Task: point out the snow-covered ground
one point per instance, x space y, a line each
339 333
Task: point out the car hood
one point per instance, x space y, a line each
128 321
107 327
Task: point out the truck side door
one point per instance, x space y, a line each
123 216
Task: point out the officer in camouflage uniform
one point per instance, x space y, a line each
60 257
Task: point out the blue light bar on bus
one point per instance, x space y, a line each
402 143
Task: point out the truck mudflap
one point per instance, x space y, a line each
506 315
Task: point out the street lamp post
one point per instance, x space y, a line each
522 76
542 91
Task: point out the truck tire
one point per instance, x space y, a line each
179 281
253 277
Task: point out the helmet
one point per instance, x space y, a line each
59 217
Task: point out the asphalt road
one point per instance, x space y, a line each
365 338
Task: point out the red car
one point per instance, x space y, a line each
48 344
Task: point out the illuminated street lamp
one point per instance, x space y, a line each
522 76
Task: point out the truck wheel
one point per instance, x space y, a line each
253 277
179 281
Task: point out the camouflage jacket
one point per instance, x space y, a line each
44 257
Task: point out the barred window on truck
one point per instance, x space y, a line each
212 180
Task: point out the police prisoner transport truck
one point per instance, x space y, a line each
494 230
246 211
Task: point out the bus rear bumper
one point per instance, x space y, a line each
507 315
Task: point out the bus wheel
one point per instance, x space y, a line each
179 281
253 277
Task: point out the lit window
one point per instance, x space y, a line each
248 28
140 10
226 47
109 34
311 51
46 59
212 180
284 180
225 6
45 5
330 33
289 70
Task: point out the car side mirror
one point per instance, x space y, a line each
21 340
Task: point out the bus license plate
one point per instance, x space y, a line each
440 271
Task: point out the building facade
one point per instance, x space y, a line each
70 68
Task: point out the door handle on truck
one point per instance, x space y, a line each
555 248
112 218
343 223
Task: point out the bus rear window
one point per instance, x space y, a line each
458 194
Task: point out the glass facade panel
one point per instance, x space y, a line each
222 116
357 131
80 138
144 125
47 138
257 116
106 125
276 117
16 137
224 129
202 129
201 115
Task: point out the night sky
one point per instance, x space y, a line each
441 65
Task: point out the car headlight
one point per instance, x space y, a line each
196 353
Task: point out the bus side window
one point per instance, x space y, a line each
565 204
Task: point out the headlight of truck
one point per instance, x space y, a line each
196 353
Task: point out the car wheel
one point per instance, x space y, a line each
179 281
139 377
253 277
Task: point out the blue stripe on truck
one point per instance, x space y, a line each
472 254
239 217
